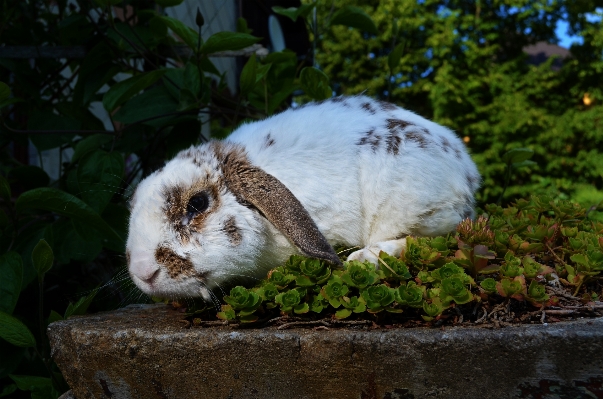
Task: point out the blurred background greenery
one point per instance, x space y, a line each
97 94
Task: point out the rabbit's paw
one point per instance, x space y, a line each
371 252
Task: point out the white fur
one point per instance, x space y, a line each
355 195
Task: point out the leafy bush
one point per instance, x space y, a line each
536 242
463 64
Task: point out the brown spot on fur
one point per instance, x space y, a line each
176 265
471 180
395 124
385 106
268 141
417 138
370 139
367 107
128 257
232 231
446 144
393 143
458 153
272 199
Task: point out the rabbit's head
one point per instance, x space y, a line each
209 216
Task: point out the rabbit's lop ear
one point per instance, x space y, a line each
268 195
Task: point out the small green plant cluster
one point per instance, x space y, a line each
510 252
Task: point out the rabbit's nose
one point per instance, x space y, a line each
144 269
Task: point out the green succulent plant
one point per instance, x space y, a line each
436 273
489 285
410 294
537 293
291 301
512 267
377 297
359 275
454 289
392 267
334 290
351 305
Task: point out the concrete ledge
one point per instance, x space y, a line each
144 351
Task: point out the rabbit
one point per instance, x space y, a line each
348 170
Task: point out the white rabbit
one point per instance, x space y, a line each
349 170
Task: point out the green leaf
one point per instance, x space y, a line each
187 34
54 316
5 192
150 104
122 91
168 3
11 275
81 306
294 12
343 313
4 91
64 204
99 177
15 332
89 144
7 390
225 41
248 80
30 383
29 176
522 164
315 83
354 17
42 258
393 59
517 155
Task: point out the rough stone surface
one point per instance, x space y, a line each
145 351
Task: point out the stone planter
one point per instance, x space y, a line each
145 351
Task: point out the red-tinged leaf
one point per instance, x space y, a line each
482 251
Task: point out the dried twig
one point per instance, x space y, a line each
303 323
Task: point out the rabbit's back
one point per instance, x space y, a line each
366 170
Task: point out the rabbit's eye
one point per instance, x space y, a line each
197 204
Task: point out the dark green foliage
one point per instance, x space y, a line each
441 274
463 64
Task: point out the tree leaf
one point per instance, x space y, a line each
122 91
225 41
42 258
517 165
294 12
187 34
153 102
11 275
4 189
315 83
517 155
29 176
30 383
15 332
393 59
99 177
4 91
64 204
354 17
89 144
247 80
